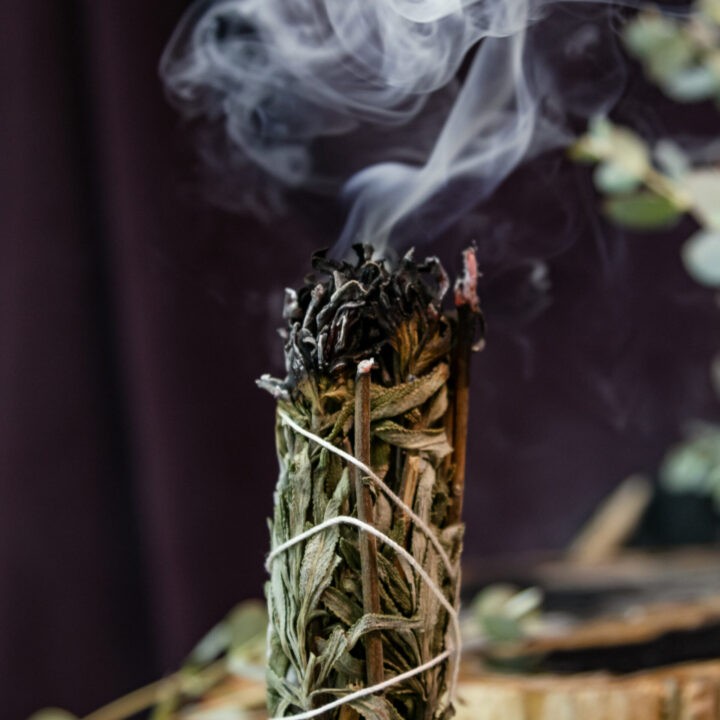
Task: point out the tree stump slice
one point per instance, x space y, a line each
684 692
632 620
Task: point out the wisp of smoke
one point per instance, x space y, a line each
283 76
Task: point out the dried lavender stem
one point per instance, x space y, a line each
366 513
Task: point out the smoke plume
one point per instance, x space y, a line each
454 95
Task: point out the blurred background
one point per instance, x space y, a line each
136 454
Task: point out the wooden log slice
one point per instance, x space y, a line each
630 621
684 692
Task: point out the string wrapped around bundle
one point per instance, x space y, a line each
366 535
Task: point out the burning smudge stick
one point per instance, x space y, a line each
366 533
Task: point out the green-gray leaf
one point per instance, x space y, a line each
612 178
502 629
648 34
701 255
703 187
672 58
671 159
692 84
642 211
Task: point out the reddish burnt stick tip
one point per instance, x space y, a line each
466 284
468 305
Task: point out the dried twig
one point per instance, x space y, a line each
368 543
468 309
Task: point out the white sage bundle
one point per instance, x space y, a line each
366 534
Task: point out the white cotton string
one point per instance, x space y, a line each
419 522
400 550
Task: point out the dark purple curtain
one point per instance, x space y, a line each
136 456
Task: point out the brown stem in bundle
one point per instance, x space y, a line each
461 376
468 310
366 513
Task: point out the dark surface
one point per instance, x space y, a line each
136 457
667 649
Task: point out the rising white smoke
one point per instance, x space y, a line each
284 76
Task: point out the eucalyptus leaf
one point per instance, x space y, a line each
680 54
671 159
624 152
613 178
504 613
693 466
499 628
674 57
248 621
648 33
629 152
524 603
703 187
692 84
687 469
583 151
213 644
660 43
710 9
701 255
642 211
595 144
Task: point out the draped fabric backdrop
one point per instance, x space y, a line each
136 454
